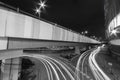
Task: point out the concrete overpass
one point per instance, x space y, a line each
20 30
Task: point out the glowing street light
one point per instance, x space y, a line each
86 32
114 32
37 11
42 5
82 33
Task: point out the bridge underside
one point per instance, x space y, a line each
24 43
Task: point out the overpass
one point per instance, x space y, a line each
19 30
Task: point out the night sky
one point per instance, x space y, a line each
78 15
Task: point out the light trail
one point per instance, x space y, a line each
59 70
48 70
90 58
82 69
96 70
80 65
55 68
64 66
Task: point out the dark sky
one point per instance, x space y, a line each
78 15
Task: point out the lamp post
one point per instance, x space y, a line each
42 5
84 33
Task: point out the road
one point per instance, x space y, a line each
87 67
50 67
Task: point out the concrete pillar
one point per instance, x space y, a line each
0 69
6 69
77 50
15 68
11 69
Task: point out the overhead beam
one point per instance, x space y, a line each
25 43
7 54
22 43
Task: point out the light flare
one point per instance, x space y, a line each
42 4
114 32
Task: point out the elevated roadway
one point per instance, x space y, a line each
19 24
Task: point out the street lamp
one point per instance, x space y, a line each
84 33
42 5
114 32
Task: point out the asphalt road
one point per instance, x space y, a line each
50 67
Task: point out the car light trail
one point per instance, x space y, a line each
55 68
96 70
50 63
67 69
80 65
48 70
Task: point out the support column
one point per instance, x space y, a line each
77 50
11 69
0 69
